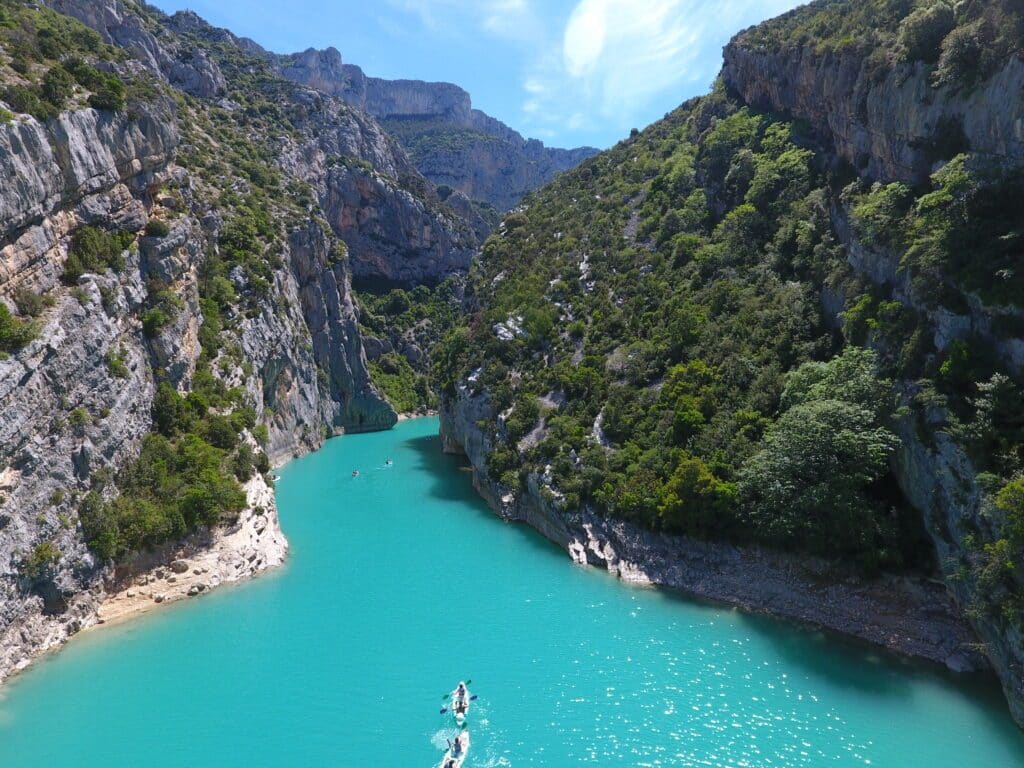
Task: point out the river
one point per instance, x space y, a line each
401 582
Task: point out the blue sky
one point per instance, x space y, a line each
570 72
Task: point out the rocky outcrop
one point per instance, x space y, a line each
174 60
451 143
394 236
894 127
908 615
939 479
395 227
47 167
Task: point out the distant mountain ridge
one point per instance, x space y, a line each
451 143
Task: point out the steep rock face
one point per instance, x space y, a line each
395 227
46 167
976 320
891 129
939 479
934 472
450 142
394 236
64 414
76 402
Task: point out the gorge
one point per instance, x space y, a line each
767 351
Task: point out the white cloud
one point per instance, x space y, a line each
509 19
605 62
617 56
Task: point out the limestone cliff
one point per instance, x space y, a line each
890 123
76 401
450 142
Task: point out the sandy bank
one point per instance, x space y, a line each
200 563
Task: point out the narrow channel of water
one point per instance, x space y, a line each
400 583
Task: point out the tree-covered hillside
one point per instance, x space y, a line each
672 334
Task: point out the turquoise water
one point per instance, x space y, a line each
400 583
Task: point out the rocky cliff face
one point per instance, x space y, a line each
451 143
76 402
900 126
891 128
933 470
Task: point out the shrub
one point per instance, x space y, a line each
85 75
110 95
1010 500
694 501
95 250
78 418
157 228
878 213
153 321
57 87
40 562
25 99
115 364
31 303
243 462
922 32
171 412
970 53
15 333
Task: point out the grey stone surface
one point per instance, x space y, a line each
489 162
887 128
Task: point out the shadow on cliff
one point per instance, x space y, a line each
441 466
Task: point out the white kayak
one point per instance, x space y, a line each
457 751
460 703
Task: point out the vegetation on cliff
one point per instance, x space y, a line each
53 60
671 334
962 42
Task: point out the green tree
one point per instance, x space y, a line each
808 482
695 501
851 377
1010 500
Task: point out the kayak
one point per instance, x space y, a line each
456 700
453 760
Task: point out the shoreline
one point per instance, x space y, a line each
910 616
197 565
253 545
409 415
